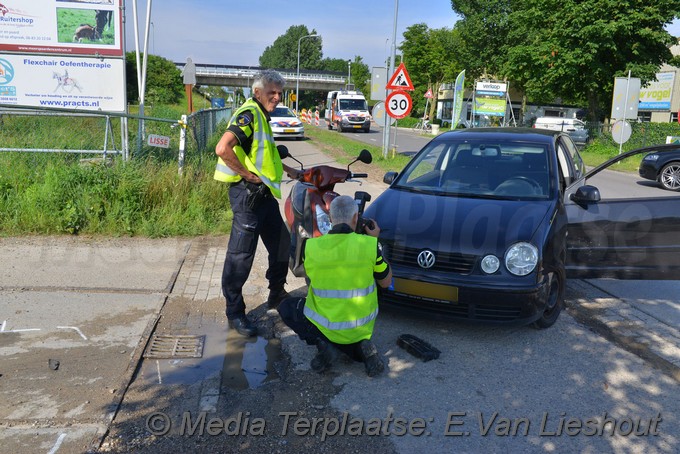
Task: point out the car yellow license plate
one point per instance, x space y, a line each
426 290
289 130
356 126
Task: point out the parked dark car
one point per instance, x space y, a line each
486 224
663 165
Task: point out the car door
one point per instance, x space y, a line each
620 225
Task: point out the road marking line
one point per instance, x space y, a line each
57 445
75 328
158 369
4 324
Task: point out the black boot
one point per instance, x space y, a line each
276 296
243 326
326 356
372 362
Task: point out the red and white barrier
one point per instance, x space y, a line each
316 118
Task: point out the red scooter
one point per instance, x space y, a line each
308 204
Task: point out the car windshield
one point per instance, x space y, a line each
353 104
513 169
282 112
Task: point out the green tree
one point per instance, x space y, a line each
164 83
337 65
567 49
430 55
283 52
483 31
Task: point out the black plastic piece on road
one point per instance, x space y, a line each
417 347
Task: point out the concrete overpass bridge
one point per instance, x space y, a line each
242 76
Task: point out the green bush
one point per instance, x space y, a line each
134 198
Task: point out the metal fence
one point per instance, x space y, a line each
164 132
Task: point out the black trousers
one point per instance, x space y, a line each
247 226
291 311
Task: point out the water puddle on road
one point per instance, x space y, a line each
249 362
243 362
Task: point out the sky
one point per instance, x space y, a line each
237 32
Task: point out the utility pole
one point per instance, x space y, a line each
390 70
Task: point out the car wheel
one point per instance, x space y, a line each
670 176
554 304
329 125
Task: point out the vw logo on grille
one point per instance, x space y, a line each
426 259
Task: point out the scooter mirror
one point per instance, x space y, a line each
283 151
365 157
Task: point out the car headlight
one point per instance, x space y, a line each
490 264
651 157
521 259
323 221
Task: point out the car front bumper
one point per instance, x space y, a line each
288 132
473 303
648 171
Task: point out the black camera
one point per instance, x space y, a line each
364 222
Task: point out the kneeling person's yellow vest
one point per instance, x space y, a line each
342 300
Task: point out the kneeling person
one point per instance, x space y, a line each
339 312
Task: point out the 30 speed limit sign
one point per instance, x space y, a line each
398 104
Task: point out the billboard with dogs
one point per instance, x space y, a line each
62 27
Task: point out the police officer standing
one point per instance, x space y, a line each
249 161
339 312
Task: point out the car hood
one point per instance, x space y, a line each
457 224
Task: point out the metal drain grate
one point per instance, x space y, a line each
175 346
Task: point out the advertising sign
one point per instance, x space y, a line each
458 99
657 95
491 89
61 27
66 82
494 107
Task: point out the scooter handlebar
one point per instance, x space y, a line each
359 175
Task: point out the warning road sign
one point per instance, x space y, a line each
400 80
428 93
398 104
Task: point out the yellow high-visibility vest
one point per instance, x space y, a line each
342 300
262 159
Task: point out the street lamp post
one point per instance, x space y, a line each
349 72
153 38
297 80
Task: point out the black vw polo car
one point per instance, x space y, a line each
486 224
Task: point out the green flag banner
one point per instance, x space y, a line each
458 99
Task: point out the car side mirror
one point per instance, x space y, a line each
586 194
390 177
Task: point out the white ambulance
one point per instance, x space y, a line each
347 110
